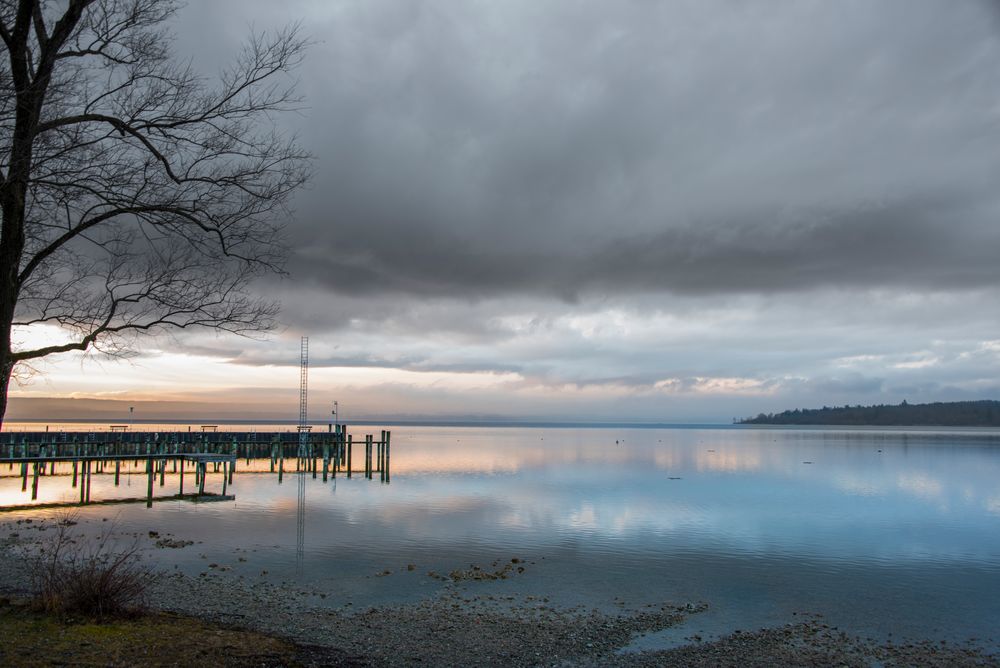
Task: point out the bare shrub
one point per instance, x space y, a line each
72 574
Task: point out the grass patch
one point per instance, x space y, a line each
33 637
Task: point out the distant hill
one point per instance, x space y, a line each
951 414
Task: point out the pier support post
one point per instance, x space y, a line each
369 438
149 482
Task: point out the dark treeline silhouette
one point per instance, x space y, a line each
984 413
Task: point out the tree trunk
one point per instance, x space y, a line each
9 260
6 367
11 246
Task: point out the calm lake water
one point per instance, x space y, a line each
881 531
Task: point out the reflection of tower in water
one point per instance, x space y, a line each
300 511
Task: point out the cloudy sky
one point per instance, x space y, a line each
672 211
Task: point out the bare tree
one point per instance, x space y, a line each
137 195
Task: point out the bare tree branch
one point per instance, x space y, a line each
136 197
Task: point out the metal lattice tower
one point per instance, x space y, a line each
303 386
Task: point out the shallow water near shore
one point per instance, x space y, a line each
885 533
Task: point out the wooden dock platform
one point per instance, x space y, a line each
49 454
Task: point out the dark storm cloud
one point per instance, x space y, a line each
569 148
574 148
919 243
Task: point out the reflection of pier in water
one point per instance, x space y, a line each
83 455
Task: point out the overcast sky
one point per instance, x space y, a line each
635 210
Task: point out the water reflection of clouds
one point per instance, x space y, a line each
770 499
667 460
858 485
752 495
921 485
11 494
443 519
584 517
470 458
620 518
729 461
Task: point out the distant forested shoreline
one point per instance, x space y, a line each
985 413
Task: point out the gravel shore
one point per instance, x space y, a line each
459 627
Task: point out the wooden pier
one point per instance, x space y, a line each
39 455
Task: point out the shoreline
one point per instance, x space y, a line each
459 627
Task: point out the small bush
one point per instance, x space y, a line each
92 577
